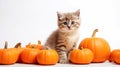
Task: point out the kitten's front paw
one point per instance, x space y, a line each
63 61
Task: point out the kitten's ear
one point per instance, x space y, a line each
77 13
59 15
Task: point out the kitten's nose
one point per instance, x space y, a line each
68 27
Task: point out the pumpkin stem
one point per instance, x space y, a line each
81 48
29 43
6 45
18 45
32 46
94 32
39 42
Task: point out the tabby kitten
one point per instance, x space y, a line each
64 39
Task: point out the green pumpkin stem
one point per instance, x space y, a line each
94 32
6 45
18 45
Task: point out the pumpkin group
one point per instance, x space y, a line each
99 46
8 55
92 49
47 57
115 56
81 56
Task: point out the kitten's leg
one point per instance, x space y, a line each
61 49
74 47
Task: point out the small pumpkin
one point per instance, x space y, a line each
99 46
115 56
47 57
19 49
81 56
28 55
39 46
8 55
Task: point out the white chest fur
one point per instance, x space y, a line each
72 39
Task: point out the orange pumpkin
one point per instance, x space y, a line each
8 55
115 56
99 46
19 49
28 55
47 57
81 56
39 46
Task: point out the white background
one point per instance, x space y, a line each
31 20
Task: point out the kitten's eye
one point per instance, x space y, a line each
65 23
72 22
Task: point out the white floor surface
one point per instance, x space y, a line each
105 64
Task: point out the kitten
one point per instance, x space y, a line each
64 39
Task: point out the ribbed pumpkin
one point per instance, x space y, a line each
28 55
99 46
115 56
47 57
81 56
8 55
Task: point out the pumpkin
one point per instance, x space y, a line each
8 55
81 56
28 55
99 46
47 57
39 46
19 49
115 56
